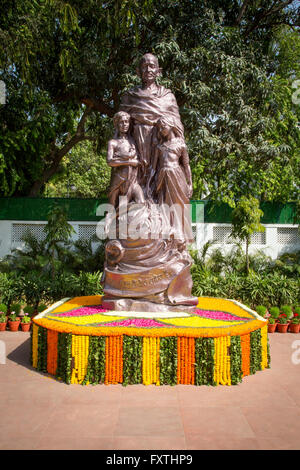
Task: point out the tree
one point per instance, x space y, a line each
83 173
245 221
81 57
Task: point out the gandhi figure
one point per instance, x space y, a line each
146 104
122 157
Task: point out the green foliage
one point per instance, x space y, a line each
282 319
41 308
9 289
96 361
295 320
271 320
3 308
261 310
29 310
204 361
132 360
246 220
255 351
34 288
267 288
235 360
168 361
83 173
25 319
64 357
56 254
297 310
66 64
274 312
2 318
287 310
13 317
16 308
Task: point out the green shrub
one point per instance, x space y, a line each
2 318
28 309
10 289
271 321
16 308
13 317
296 309
25 319
287 310
41 308
34 287
3 308
274 312
261 310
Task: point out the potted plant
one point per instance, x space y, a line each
288 311
3 321
274 312
13 322
271 325
262 310
25 323
295 324
282 324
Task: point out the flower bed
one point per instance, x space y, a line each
79 342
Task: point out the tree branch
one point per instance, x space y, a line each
98 105
264 14
56 154
242 12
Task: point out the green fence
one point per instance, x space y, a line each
85 209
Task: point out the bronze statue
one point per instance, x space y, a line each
122 157
151 271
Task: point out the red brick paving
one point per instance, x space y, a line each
37 412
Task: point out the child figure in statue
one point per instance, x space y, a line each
173 178
122 157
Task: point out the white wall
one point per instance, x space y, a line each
276 239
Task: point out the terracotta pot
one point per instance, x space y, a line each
272 327
3 326
13 325
294 327
25 326
281 328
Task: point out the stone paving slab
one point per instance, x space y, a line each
38 412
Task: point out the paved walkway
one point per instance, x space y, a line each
37 412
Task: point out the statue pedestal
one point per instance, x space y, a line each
80 342
136 305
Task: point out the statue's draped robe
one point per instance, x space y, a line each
145 109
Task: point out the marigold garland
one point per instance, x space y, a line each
52 337
264 347
245 344
151 361
34 340
113 360
80 352
154 332
222 361
186 361
148 353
